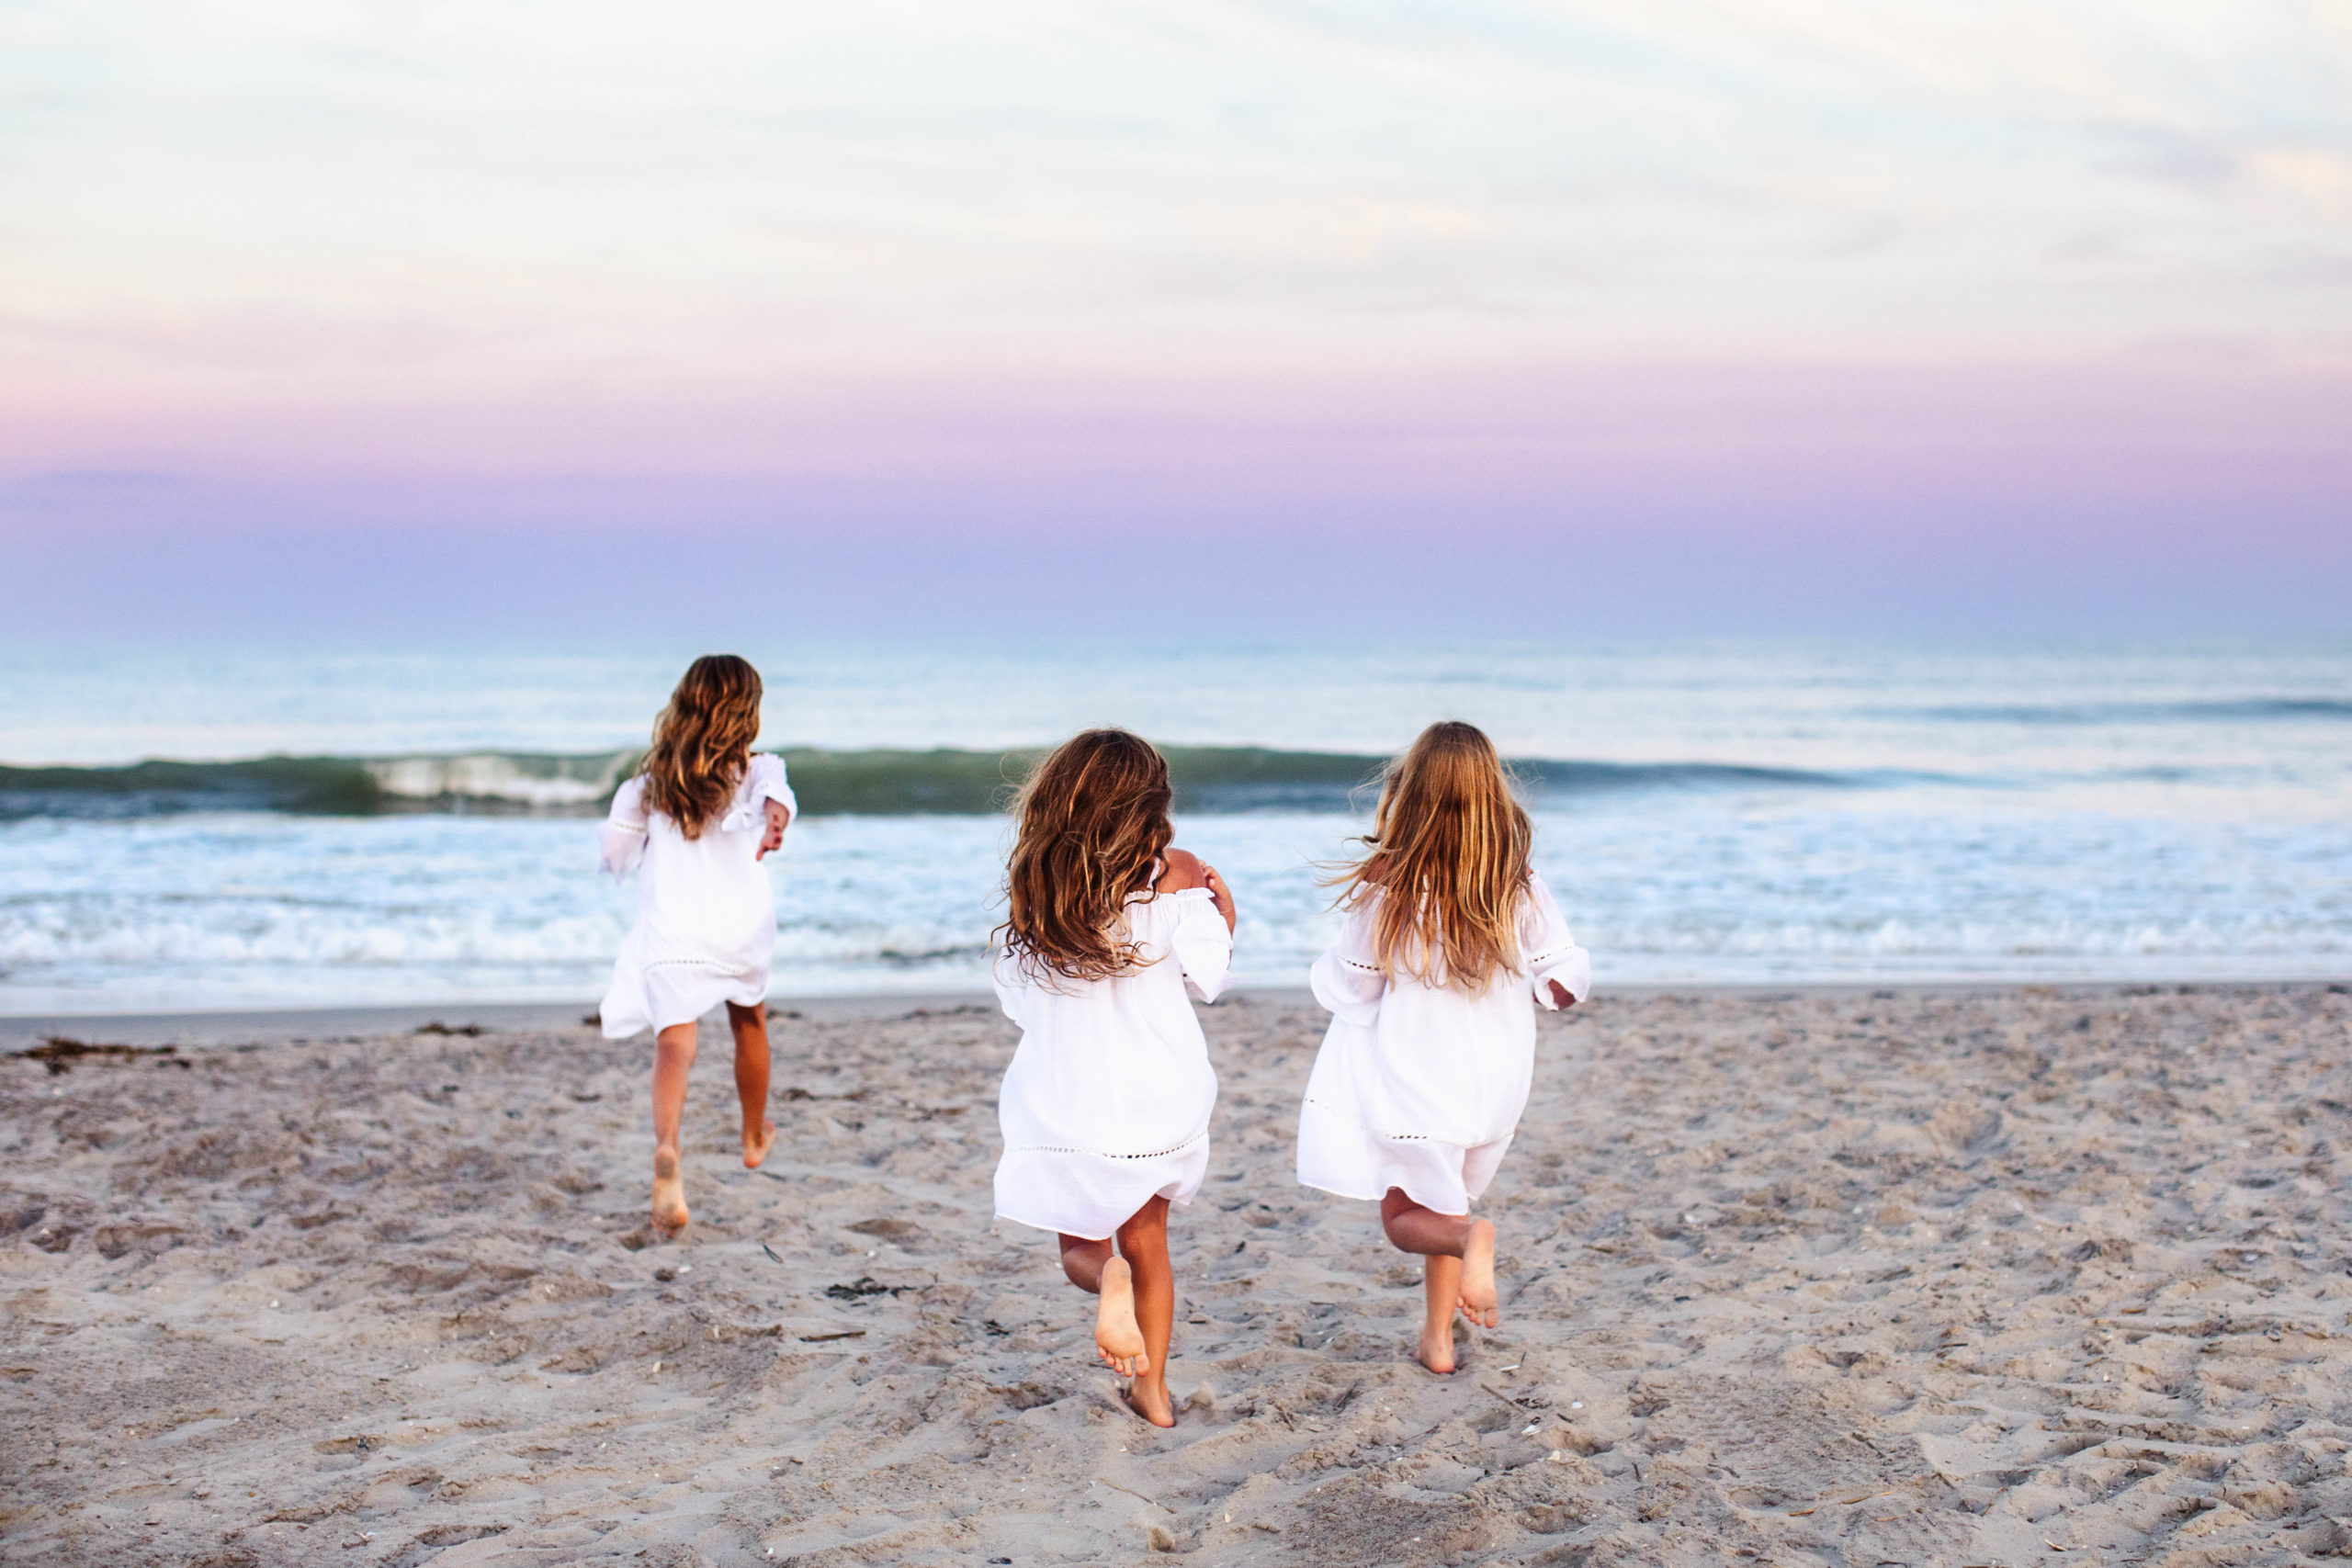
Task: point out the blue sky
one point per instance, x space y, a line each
1980 313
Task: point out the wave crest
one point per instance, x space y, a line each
1214 780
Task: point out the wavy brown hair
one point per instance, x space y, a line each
703 740
1094 823
1448 859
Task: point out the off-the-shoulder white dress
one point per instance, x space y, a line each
1420 1086
706 914
1107 1102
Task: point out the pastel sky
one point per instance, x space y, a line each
1586 315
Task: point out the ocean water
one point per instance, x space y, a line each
1709 813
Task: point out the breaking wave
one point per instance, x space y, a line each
1213 780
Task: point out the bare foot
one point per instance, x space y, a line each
669 1196
756 1150
1116 1333
1437 1347
1149 1398
1479 1303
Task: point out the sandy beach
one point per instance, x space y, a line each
1917 1276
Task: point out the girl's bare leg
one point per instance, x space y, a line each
1082 1260
1459 1273
673 1054
1441 1294
1142 1245
1093 1268
1137 1312
751 1027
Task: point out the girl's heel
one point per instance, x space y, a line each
670 1215
1117 1334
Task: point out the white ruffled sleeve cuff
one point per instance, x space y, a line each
1012 987
1570 966
1551 951
619 850
766 782
1203 947
1348 979
1349 989
620 843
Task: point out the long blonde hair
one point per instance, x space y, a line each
703 740
1448 862
1093 825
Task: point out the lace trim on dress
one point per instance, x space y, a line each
1100 1153
1350 1117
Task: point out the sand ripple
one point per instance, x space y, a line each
1909 1278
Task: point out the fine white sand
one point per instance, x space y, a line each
1917 1278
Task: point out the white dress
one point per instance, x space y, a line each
706 914
1106 1104
1417 1085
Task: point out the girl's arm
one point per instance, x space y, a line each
621 841
1204 937
768 802
1348 979
1562 971
1184 871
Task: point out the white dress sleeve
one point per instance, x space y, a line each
621 841
1012 987
764 781
1204 948
1551 950
1348 979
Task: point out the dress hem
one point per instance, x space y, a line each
1082 1235
1383 1196
1339 1155
628 1009
1358 1125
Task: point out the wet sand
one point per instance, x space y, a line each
1918 1278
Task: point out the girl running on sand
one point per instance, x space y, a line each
694 825
1425 1067
1105 1108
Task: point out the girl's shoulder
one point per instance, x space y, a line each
1180 872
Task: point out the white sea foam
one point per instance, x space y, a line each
2196 838
541 781
260 908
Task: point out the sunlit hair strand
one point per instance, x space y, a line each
1447 859
702 742
1094 823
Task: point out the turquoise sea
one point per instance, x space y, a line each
346 826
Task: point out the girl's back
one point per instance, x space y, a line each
1106 1110
1117 1064
1422 1057
705 897
1108 933
694 825
1450 940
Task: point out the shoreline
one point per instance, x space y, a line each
306 1024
